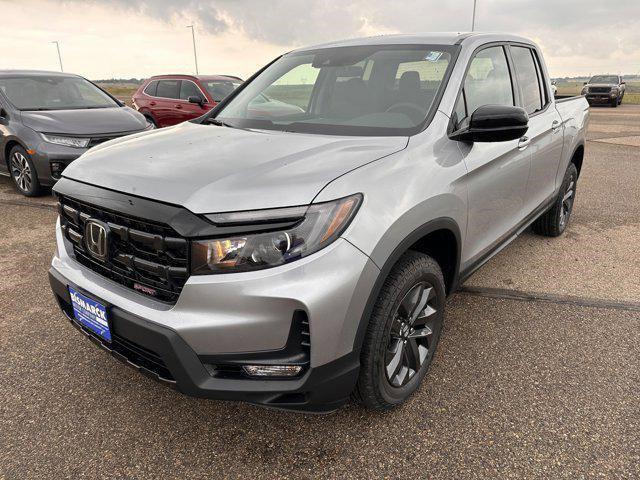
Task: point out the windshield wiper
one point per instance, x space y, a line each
219 123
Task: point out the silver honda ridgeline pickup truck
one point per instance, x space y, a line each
296 259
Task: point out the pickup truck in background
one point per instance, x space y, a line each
605 89
295 257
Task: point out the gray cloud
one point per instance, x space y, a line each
566 28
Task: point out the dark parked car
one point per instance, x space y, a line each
605 89
47 120
171 99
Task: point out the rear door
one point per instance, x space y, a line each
497 171
167 93
545 134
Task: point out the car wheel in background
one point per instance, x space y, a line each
403 332
555 220
23 172
615 102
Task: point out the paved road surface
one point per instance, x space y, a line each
537 375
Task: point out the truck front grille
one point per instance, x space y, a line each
147 257
599 89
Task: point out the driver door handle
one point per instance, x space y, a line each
555 126
523 143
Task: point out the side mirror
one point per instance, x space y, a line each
197 100
493 123
585 83
623 83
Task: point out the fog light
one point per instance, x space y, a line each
56 169
272 370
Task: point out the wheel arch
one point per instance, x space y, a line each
439 238
11 142
577 157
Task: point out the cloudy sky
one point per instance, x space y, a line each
138 38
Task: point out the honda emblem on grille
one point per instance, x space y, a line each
96 239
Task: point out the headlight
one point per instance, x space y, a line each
585 90
319 225
66 141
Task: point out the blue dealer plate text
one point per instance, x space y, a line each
90 314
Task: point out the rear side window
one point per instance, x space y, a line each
150 89
528 81
168 88
189 89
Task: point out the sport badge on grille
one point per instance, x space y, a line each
96 239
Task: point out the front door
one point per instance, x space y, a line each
497 171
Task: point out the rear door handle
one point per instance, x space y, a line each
178 106
555 126
153 104
523 143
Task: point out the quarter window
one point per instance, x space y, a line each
151 88
527 79
168 88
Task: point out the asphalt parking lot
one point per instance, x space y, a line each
537 375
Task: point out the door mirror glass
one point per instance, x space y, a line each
493 123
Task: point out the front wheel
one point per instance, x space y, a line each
554 222
403 332
23 172
614 102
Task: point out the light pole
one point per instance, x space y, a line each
195 55
473 19
59 56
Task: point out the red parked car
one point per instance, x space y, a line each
170 99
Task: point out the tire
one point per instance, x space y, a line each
23 172
554 222
393 343
614 102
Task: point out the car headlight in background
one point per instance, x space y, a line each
585 90
318 226
74 142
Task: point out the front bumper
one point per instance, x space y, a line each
239 319
50 160
160 353
601 97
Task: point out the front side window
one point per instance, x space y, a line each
189 89
363 90
488 81
168 89
527 79
54 93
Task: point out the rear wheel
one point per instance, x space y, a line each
554 222
403 332
23 172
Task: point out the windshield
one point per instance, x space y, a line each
54 93
604 79
218 89
364 90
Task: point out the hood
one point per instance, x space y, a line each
208 169
96 121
